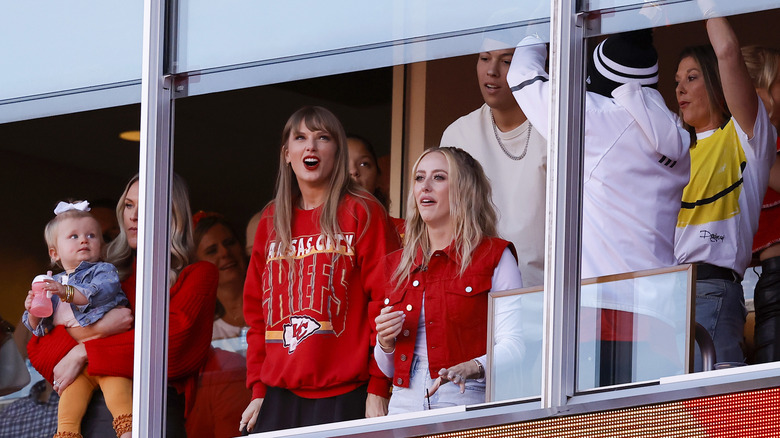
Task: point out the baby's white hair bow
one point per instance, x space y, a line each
62 207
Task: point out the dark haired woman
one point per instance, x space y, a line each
733 149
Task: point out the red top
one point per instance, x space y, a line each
769 222
190 322
456 307
311 315
400 226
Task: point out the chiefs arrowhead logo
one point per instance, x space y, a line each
298 329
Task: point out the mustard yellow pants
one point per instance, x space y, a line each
118 392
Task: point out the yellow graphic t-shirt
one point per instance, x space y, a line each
717 163
722 202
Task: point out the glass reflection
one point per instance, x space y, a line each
511 379
634 327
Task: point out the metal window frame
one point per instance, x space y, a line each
155 175
562 241
564 203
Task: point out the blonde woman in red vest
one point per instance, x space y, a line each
433 328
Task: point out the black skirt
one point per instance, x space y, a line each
284 410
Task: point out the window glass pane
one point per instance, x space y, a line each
51 47
227 149
511 379
283 70
634 328
623 15
669 41
214 35
73 156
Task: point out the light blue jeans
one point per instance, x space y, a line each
412 399
720 308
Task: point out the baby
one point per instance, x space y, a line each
88 289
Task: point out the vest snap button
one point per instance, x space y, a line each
408 307
416 283
406 332
399 381
403 358
468 289
387 301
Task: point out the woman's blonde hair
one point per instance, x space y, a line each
120 254
182 246
315 118
762 63
472 212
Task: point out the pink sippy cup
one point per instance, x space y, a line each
41 305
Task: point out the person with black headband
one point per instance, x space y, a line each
636 164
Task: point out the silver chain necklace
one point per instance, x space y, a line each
500 143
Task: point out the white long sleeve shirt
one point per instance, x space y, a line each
636 164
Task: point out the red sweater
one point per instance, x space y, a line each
190 322
456 307
311 317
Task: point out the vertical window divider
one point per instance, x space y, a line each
564 204
153 253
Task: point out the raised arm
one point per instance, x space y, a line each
529 82
659 125
738 88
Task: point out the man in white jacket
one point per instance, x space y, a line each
636 164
